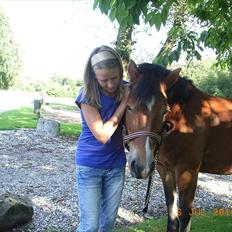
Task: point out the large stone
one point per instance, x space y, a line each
14 210
48 127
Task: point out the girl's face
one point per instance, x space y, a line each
108 79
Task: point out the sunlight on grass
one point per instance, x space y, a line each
205 223
25 118
70 129
20 118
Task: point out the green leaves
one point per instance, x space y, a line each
155 19
129 4
214 17
10 62
128 12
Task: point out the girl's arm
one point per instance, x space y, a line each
103 131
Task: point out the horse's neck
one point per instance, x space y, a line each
202 108
214 104
220 109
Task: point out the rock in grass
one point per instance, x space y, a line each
14 210
48 127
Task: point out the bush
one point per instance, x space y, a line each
10 59
219 84
55 86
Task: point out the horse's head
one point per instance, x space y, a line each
145 114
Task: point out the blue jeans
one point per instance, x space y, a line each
99 192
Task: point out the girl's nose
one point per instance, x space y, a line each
110 84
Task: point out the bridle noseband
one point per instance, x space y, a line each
137 134
166 127
165 131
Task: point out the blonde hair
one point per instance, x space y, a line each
101 57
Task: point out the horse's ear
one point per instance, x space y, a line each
172 78
133 72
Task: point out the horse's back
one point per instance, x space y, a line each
218 150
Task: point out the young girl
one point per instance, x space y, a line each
100 154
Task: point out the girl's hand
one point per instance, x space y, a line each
102 131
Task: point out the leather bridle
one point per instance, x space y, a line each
166 128
137 134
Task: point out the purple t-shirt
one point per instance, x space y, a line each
90 152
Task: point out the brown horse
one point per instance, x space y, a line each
199 141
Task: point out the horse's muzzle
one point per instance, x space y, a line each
139 171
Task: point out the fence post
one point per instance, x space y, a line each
37 107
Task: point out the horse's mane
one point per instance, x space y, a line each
181 91
148 84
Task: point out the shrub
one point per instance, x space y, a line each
219 84
55 86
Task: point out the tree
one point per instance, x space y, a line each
124 44
10 62
215 19
213 16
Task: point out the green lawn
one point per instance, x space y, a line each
207 223
20 118
69 129
25 118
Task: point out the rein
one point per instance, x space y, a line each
158 139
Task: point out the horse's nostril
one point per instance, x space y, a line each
135 169
133 165
152 164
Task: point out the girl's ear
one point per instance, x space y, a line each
133 72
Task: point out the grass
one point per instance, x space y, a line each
69 129
25 118
150 225
206 223
20 118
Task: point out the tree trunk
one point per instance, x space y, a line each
124 44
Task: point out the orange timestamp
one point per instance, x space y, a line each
214 212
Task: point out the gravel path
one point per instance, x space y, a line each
44 170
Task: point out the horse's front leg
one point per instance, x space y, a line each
169 183
187 183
